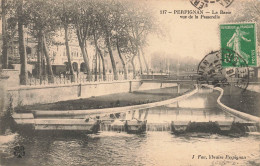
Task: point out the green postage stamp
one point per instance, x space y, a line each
241 39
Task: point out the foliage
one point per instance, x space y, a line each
108 24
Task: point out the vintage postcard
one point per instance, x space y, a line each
130 82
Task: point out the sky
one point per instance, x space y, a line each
189 37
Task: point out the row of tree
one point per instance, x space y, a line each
108 25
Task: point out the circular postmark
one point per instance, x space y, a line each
211 71
201 4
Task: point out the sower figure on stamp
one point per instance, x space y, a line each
235 44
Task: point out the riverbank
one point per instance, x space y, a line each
244 101
110 101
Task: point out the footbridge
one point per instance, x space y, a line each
190 79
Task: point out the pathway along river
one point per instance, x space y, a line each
154 147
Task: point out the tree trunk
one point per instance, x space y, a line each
122 60
133 65
68 54
137 49
12 46
39 55
82 45
89 76
102 58
103 66
86 60
111 57
47 56
145 62
139 59
96 66
5 47
99 67
43 67
22 52
43 64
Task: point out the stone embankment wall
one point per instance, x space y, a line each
28 95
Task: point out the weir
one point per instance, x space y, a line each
193 112
192 116
228 126
188 127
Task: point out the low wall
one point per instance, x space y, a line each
13 75
2 96
28 95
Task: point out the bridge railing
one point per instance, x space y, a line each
168 77
80 78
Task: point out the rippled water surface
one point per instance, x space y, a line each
151 148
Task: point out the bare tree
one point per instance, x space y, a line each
97 34
105 18
41 18
22 52
120 34
141 23
65 13
81 20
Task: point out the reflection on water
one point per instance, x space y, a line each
150 148
197 102
200 107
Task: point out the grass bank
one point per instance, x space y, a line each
109 101
244 101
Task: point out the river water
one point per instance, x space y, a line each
156 147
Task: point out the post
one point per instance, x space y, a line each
179 88
133 114
79 90
178 104
130 86
146 114
140 114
